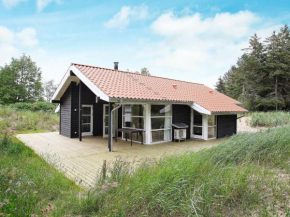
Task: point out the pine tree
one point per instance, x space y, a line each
220 85
278 66
261 76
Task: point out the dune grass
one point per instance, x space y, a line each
269 119
26 121
29 186
244 176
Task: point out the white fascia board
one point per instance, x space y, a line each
97 91
57 109
67 79
61 86
200 109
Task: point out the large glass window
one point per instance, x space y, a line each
211 126
197 124
138 112
161 117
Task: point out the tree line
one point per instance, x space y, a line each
261 77
21 81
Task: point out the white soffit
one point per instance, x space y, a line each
67 79
200 109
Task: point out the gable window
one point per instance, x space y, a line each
161 118
212 126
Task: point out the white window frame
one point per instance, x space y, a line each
192 126
215 125
92 124
144 120
154 130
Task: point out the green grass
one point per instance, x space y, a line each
25 121
242 176
269 119
28 185
246 175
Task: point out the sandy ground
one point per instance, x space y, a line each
244 126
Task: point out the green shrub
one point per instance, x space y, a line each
269 119
36 106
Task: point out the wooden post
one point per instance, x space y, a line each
104 169
80 111
110 128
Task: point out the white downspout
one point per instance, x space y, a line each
121 101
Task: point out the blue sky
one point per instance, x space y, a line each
195 41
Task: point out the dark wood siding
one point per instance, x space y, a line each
70 107
98 117
181 114
226 125
75 110
65 113
120 116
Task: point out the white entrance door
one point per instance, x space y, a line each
87 120
197 125
106 121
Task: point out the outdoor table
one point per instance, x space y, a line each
131 131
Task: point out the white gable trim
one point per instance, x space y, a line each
90 84
57 109
67 79
200 109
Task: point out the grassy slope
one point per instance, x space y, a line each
26 121
28 184
269 119
245 175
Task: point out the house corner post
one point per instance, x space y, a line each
80 111
110 128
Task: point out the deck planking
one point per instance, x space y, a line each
82 161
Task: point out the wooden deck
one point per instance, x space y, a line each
82 161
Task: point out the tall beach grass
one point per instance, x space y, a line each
269 119
244 176
24 121
31 187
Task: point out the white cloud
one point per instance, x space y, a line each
123 18
200 49
41 4
222 25
12 3
13 43
6 35
27 37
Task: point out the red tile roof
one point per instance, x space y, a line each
128 85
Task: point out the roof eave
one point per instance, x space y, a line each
79 76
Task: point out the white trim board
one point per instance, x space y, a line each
200 109
67 79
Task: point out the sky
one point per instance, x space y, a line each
192 40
